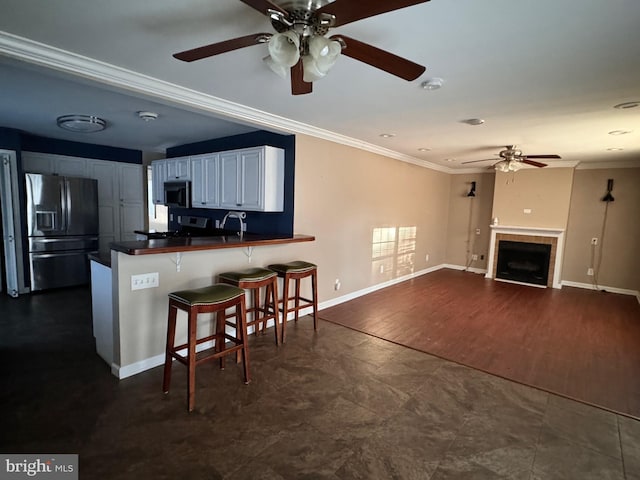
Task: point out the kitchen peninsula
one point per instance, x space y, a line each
130 285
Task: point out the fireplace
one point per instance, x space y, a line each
523 262
551 239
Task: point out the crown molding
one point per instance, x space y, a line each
634 163
40 54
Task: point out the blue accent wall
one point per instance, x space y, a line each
257 222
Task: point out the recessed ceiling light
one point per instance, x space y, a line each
615 149
387 135
619 132
626 105
424 149
147 116
81 123
473 121
432 84
449 160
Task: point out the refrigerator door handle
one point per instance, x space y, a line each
64 194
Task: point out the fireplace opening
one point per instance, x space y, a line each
523 262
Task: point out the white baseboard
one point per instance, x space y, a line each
590 286
462 267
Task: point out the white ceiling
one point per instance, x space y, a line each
544 75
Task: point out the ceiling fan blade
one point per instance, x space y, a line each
222 47
476 161
542 156
298 85
263 6
347 11
393 64
535 164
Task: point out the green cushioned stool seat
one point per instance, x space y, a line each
296 271
210 295
248 275
297 266
259 312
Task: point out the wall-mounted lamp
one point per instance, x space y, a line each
472 192
608 197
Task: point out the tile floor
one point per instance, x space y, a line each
333 405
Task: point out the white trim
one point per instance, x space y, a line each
558 233
590 286
632 163
48 56
462 267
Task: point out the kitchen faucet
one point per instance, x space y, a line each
239 216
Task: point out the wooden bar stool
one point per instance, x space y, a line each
297 270
212 299
259 313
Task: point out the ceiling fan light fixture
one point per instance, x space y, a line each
284 48
276 68
81 123
323 54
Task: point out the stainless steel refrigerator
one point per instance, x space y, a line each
62 226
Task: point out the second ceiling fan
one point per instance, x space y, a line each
513 159
300 45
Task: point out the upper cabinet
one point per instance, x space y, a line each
178 168
249 179
252 179
205 186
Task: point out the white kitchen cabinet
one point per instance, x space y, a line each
178 168
49 164
131 200
158 177
205 183
252 179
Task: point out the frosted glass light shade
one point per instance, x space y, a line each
276 68
284 48
322 56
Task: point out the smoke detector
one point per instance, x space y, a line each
147 116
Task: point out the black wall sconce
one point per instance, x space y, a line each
472 192
608 197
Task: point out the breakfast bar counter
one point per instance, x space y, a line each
131 283
192 244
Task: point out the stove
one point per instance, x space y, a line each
189 227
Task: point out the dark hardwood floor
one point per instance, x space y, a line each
578 343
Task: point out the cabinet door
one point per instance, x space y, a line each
158 177
131 200
230 180
108 208
212 181
252 179
198 183
179 168
71 167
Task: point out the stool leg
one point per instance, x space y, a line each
220 339
256 311
272 289
297 302
171 337
314 288
241 313
191 359
285 306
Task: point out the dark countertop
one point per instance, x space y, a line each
103 258
190 244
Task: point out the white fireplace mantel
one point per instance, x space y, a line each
558 233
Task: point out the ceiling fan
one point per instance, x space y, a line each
300 45
513 160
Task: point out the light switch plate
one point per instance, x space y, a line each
145 280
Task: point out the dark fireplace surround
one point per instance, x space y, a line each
523 262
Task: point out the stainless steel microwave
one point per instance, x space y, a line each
177 194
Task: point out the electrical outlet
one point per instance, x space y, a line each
474 257
337 285
145 280
594 241
426 257
477 231
381 268
481 257
590 272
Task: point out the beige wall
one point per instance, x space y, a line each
466 214
342 194
620 264
545 191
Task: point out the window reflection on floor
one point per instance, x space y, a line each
393 251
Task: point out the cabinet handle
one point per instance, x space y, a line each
203 203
